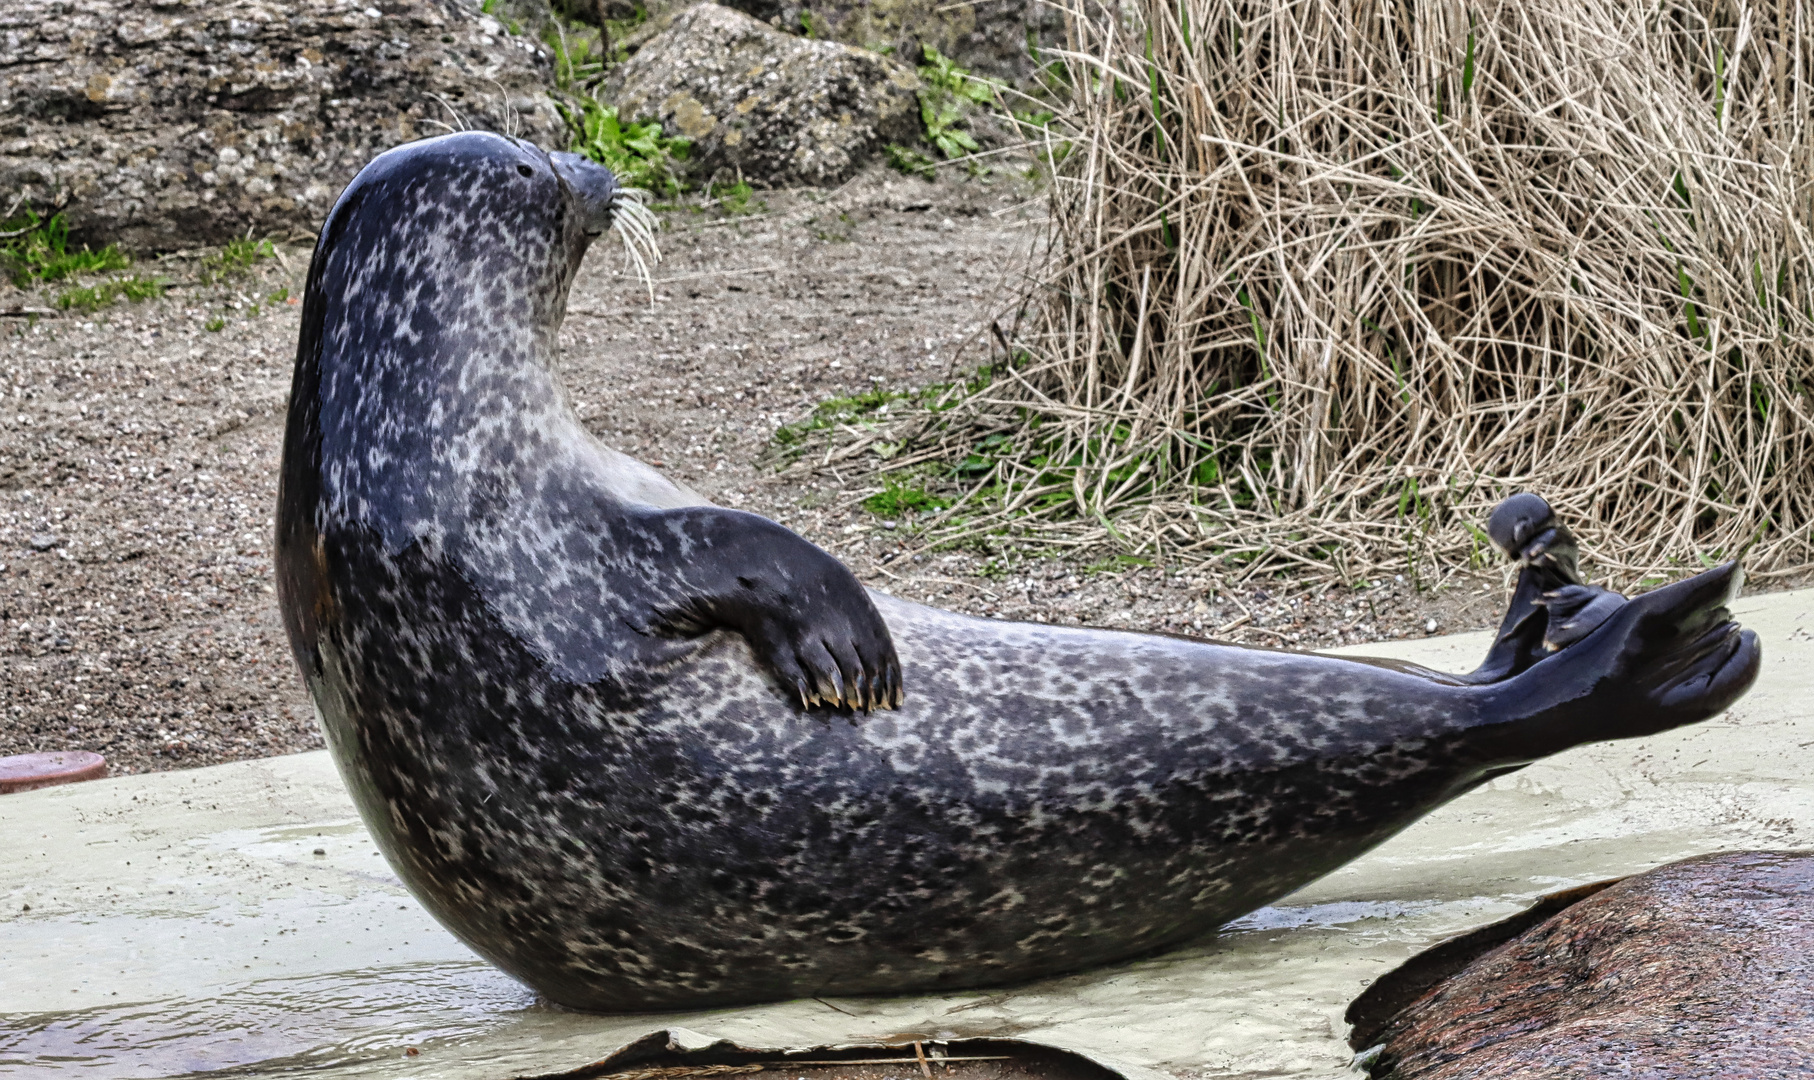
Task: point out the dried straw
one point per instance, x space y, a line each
1331 278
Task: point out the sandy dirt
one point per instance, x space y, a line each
139 453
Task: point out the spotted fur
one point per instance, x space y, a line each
567 694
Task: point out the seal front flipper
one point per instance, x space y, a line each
802 611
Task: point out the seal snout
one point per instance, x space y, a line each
594 188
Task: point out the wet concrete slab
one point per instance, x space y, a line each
239 917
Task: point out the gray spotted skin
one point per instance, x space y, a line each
566 694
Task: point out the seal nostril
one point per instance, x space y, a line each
525 170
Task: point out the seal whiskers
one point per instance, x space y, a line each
636 225
613 736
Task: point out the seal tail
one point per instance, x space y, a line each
1671 657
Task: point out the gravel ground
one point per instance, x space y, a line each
139 451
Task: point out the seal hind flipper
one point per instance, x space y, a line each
1688 659
1574 611
802 611
1663 660
1552 605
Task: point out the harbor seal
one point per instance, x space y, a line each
642 752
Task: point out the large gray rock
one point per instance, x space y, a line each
990 37
777 109
173 123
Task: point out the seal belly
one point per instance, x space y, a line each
1045 798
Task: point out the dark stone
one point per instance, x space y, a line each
994 37
1698 968
763 105
173 123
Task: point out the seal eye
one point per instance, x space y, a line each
525 170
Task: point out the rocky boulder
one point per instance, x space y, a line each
991 37
773 108
172 123
1696 969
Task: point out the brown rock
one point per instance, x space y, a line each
28 772
992 37
1702 968
775 109
174 123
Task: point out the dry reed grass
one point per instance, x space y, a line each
1331 277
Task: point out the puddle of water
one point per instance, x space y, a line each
148 951
345 847
301 1023
1333 916
284 841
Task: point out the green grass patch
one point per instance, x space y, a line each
235 259
943 120
1037 123
93 298
911 162
981 458
950 93
829 414
579 57
40 252
637 153
583 53
864 409
215 325
899 498
736 198
940 72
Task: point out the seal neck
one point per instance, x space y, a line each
427 354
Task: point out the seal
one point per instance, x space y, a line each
643 752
